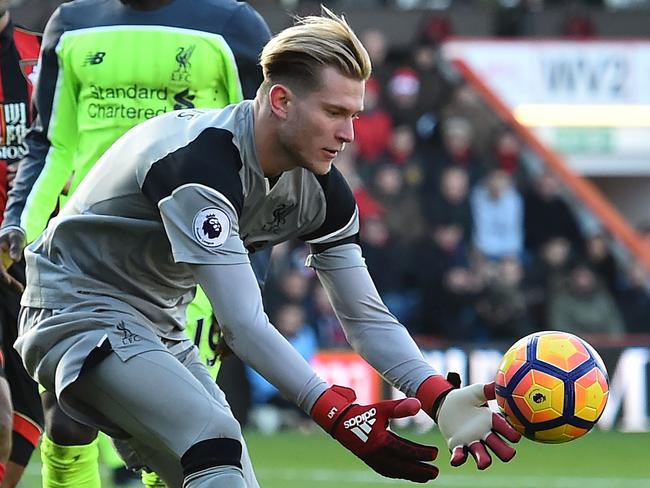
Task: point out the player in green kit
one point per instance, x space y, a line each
105 66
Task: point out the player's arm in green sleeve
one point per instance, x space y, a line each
43 174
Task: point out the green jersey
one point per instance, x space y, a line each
106 67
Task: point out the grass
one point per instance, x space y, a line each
295 460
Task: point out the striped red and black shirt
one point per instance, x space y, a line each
18 58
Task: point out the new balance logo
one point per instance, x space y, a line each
361 425
94 58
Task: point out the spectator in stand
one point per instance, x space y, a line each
292 286
512 19
402 151
346 163
436 29
547 215
497 208
273 410
377 47
443 293
401 209
600 259
548 269
455 314
634 300
583 305
451 202
578 25
401 147
502 307
403 96
383 252
507 154
466 103
327 325
436 85
373 128
455 149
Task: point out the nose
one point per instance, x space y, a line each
345 132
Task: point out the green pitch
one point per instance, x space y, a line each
295 460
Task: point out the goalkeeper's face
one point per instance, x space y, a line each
318 123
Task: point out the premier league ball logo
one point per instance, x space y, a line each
211 227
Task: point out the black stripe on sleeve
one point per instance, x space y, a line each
339 201
211 160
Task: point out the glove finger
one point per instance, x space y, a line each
489 389
499 447
406 449
458 455
397 409
501 426
480 454
400 469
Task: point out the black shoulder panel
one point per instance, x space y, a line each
211 160
339 201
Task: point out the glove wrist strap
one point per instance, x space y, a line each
431 393
330 405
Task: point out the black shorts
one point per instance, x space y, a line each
28 413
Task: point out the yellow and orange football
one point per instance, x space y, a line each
552 386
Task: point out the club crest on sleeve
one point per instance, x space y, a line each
211 227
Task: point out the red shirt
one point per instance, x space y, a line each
18 57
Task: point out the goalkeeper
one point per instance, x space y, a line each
184 199
105 67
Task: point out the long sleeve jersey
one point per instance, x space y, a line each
106 67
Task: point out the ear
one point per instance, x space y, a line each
279 98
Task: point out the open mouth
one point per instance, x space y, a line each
331 152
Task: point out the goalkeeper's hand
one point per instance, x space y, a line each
465 421
12 243
363 429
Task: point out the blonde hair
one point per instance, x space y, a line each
297 55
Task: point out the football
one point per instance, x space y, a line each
552 386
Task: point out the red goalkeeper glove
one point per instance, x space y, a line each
363 429
465 421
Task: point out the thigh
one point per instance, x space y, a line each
153 399
192 361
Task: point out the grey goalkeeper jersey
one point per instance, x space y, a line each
182 199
